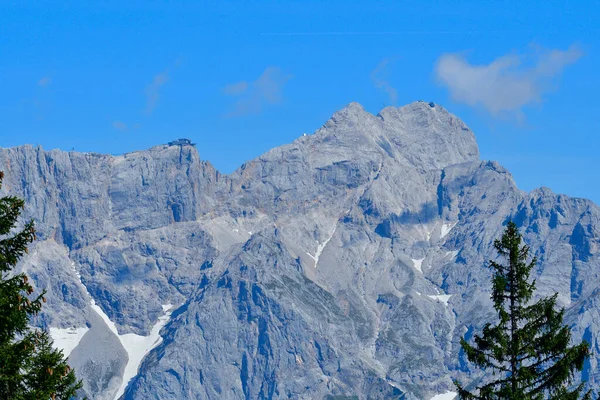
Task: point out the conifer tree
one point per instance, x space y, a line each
527 353
30 369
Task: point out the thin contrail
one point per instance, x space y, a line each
386 33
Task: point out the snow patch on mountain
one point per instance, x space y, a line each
445 229
138 347
445 396
321 247
67 339
111 325
418 263
444 298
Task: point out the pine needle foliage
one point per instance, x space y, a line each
30 369
527 354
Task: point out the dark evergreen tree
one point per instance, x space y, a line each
527 354
30 369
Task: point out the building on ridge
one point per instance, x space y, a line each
181 142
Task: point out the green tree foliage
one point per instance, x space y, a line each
527 353
30 369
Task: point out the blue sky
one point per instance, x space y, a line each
242 77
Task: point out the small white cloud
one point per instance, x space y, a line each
153 90
253 96
236 88
45 81
119 125
506 84
379 79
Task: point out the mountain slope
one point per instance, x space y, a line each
347 263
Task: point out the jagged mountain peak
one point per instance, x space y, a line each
353 107
425 134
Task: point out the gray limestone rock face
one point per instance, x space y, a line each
271 348
345 265
99 360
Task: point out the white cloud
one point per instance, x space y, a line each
119 125
379 79
255 95
45 81
236 88
507 84
153 90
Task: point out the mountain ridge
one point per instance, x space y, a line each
352 111
345 265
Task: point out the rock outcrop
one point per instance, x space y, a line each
347 264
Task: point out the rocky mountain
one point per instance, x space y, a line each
345 265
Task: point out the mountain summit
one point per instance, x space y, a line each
347 263
424 133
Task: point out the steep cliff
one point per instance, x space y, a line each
347 263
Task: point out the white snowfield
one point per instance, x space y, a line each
136 346
445 396
444 298
67 339
446 228
418 264
321 247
